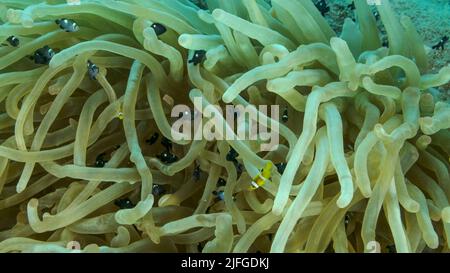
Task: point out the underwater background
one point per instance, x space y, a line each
430 17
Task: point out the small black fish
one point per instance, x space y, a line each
167 143
441 43
167 158
221 182
43 55
391 248
158 190
347 219
67 25
377 15
199 57
159 29
124 203
197 173
234 197
152 140
13 41
231 155
92 70
322 6
100 161
285 116
280 167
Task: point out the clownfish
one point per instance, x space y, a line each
262 177
67 25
